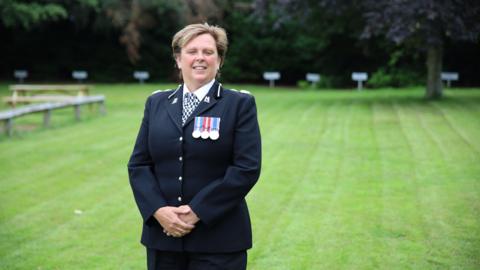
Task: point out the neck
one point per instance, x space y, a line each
192 87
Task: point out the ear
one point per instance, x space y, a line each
177 60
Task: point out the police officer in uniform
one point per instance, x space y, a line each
196 157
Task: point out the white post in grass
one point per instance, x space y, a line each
360 77
449 76
271 76
79 75
20 75
314 78
141 75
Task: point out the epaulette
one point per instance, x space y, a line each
158 91
242 91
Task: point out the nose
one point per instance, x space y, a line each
200 56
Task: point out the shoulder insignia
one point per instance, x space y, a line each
242 91
158 91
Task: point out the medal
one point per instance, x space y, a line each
206 127
196 134
197 127
214 132
205 134
214 135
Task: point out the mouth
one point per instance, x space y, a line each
199 67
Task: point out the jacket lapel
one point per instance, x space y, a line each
174 107
208 101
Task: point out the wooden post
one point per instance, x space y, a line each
77 112
46 118
9 127
102 108
14 98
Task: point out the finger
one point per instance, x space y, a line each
177 231
168 233
179 223
184 218
182 231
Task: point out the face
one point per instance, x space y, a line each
198 61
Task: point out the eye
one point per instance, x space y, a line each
191 51
209 52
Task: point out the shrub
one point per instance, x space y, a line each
330 81
395 78
302 84
380 78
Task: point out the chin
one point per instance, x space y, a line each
202 79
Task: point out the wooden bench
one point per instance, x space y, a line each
30 93
47 108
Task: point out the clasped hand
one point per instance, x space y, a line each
176 221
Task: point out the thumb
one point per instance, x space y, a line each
184 209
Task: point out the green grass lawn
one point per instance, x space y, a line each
350 180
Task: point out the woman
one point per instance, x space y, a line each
196 157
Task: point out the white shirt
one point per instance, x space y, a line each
200 92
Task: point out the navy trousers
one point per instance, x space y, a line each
168 260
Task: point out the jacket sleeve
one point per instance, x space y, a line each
140 171
222 195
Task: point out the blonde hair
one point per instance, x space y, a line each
189 32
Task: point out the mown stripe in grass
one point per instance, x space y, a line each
293 228
436 182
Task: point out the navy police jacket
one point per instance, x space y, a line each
169 167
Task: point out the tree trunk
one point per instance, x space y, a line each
434 69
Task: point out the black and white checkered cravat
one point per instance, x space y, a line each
190 102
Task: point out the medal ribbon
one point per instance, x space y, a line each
209 124
198 123
216 124
204 124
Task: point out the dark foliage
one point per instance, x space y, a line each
111 38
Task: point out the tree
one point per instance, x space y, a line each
133 17
136 16
425 25
419 24
322 35
28 14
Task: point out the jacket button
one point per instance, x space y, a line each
179 199
180 158
180 178
180 139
